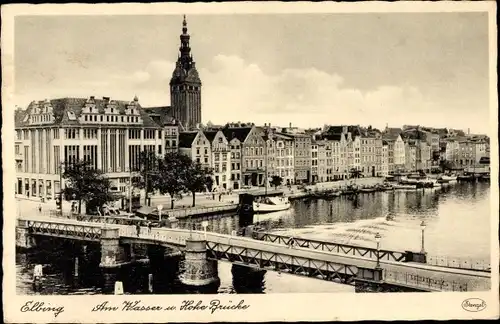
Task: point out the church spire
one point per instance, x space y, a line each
185 51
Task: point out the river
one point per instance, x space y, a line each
457 219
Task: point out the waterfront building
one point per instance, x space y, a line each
314 161
432 140
197 146
411 156
339 156
185 85
236 149
385 159
284 158
302 158
221 159
369 148
452 149
109 133
253 154
270 163
322 171
470 152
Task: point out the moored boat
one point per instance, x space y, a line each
405 186
271 204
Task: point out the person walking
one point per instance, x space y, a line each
40 208
149 227
138 229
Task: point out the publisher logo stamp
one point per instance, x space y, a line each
474 304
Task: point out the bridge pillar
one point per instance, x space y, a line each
112 253
24 240
197 270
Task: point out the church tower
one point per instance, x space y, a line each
185 85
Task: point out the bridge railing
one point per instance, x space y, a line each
158 235
413 280
459 263
49 228
347 249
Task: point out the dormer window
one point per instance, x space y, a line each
112 110
71 115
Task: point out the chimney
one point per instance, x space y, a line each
468 131
290 125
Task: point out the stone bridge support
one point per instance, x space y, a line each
112 253
24 240
196 269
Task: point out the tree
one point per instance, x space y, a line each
196 178
87 184
172 175
276 181
147 173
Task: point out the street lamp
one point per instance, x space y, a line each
159 207
377 239
204 224
422 227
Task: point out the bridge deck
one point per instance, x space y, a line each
412 274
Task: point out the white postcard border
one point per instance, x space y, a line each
271 307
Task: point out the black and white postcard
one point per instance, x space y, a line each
250 162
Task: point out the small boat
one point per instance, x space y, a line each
484 178
468 177
448 177
443 181
367 190
271 204
405 186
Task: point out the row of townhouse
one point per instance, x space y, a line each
465 152
112 133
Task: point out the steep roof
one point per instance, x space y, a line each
210 135
240 133
331 137
414 134
161 115
61 106
355 130
186 139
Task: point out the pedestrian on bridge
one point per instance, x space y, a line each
138 229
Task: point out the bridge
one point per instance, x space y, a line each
306 258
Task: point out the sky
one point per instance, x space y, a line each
305 69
